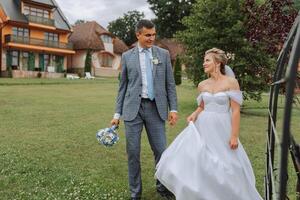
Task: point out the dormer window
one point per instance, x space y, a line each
33 11
38 14
106 38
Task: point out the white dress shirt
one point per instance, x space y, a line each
143 70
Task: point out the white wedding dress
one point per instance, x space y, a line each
199 164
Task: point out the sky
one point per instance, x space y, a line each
102 11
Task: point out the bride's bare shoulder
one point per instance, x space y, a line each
202 85
233 83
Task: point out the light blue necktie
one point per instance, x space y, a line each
149 76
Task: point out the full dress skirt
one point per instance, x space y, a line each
199 164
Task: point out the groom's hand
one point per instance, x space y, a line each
115 122
173 117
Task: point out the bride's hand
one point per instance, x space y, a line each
233 143
192 117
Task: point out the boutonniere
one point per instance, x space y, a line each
155 61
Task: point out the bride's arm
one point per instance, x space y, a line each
195 114
235 122
200 108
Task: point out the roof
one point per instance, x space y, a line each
119 46
13 11
174 47
87 36
60 19
84 36
48 2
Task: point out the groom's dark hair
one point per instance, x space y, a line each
143 23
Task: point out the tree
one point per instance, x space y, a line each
8 63
60 63
169 14
79 21
177 71
268 24
31 61
220 24
124 27
297 4
88 61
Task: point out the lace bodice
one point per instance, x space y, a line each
220 101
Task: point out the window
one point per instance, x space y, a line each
46 60
53 60
28 10
46 14
24 60
106 38
15 59
20 32
51 37
106 60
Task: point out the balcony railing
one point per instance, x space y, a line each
37 42
40 20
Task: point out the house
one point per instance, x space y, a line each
34 39
106 50
175 48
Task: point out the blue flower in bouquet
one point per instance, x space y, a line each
108 136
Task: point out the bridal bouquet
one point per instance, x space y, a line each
107 136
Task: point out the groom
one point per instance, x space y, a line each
146 93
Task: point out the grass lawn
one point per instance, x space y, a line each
48 148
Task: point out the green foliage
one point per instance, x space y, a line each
79 21
264 23
124 27
221 24
8 63
297 4
177 71
31 61
60 63
88 61
259 2
41 62
9 70
169 14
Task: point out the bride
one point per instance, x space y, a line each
206 161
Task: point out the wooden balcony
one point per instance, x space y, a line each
40 20
37 42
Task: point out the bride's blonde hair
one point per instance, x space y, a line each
219 56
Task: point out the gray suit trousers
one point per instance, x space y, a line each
147 116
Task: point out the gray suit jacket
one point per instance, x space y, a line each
130 88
